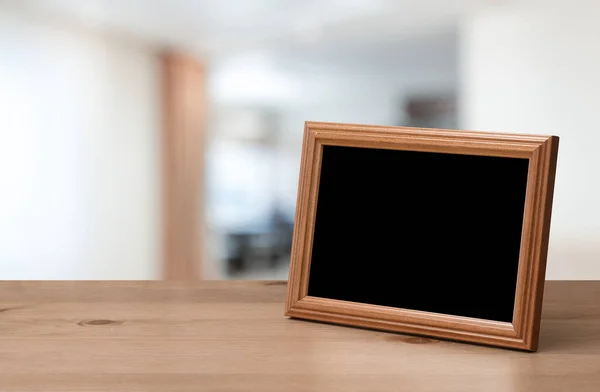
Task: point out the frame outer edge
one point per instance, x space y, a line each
549 164
294 263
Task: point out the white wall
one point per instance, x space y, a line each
538 71
79 163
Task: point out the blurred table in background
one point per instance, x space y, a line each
232 336
265 249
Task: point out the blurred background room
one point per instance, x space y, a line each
161 139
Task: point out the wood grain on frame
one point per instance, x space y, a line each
523 332
183 154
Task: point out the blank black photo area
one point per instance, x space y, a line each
419 230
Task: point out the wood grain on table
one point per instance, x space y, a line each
232 336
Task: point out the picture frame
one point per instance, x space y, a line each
523 332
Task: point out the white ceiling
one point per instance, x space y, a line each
223 27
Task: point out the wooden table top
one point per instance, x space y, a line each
232 336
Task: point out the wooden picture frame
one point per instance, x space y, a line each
523 332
